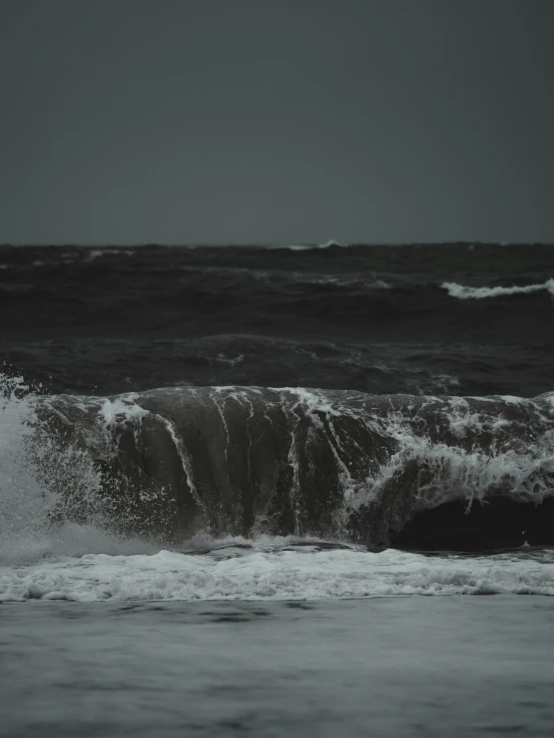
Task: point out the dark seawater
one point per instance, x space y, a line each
191 438
373 319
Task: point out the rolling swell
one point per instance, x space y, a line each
414 319
401 470
357 294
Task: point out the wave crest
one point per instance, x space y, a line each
249 461
463 292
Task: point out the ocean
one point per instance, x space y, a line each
254 490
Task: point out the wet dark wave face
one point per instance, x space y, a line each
337 464
389 396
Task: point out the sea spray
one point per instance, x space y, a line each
54 495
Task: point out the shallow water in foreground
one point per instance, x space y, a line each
408 666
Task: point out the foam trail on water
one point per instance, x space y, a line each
276 569
463 292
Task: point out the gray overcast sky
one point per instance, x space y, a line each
198 121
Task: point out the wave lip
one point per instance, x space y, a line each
464 292
462 473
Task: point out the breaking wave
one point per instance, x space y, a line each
172 463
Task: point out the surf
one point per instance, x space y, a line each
450 473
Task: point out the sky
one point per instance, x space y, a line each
276 121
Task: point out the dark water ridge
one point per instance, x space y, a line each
108 365
355 294
422 471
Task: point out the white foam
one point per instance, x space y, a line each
22 498
308 247
463 292
455 471
267 572
94 254
121 408
549 399
68 542
33 471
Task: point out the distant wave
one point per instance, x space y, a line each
308 247
463 292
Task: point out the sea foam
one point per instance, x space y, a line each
463 292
